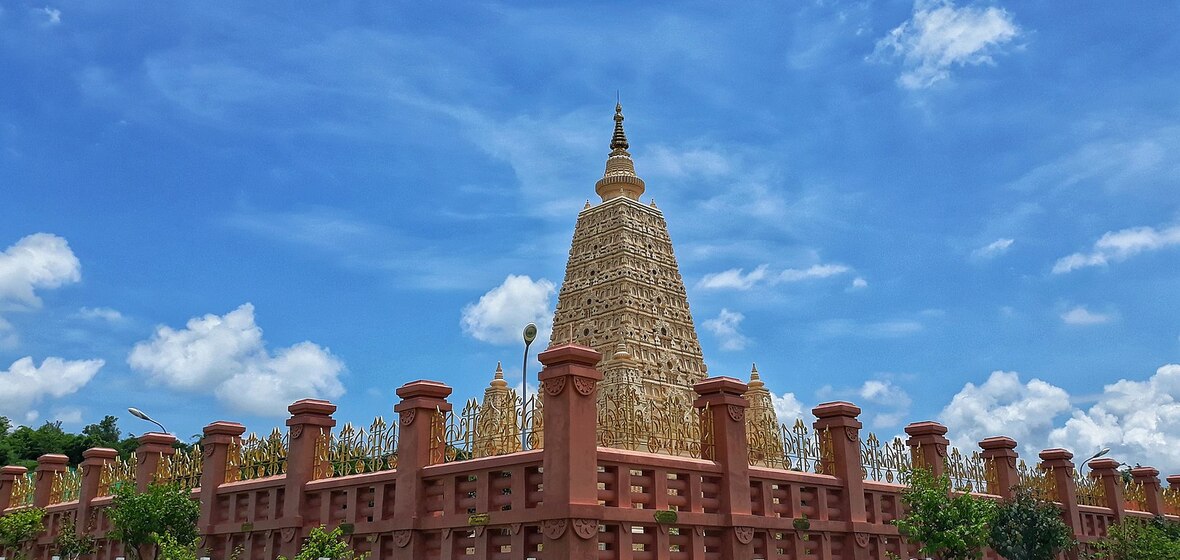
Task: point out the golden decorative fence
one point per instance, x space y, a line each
671 426
970 473
803 450
1171 496
1134 495
890 462
1042 484
1090 491
257 457
182 468
115 474
23 488
354 450
493 427
66 486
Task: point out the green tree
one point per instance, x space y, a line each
70 545
19 529
141 520
948 526
1028 528
1137 539
326 544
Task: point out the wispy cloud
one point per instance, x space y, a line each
733 279
881 329
725 326
993 249
939 36
1081 316
736 279
101 313
1120 245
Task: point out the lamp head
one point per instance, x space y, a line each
138 414
530 333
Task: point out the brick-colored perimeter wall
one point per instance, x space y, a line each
571 499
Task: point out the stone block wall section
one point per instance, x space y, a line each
570 499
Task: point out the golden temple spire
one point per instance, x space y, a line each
620 178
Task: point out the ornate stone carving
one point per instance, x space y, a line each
584 386
553 528
209 450
585 528
745 535
850 433
737 413
407 416
287 534
554 386
515 528
862 540
296 431
402 538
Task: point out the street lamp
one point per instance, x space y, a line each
1100 453
139 414
529 334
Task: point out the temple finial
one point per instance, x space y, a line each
619 140
620 179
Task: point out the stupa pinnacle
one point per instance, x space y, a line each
623 294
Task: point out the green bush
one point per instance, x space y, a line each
1138 539
950 527
70 545
1028 528
326 544
19 529
144 519
171 549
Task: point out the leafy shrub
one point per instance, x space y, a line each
143 519
326 544
1137 539
950 527
170 549
1028 528
19 529
70 545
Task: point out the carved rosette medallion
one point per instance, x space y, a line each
402 538
737 413
287 534
209 450
851 434
297 431
515 528
553 528
862 540
584 386
585 528
407 416
554 386
940 448
745 535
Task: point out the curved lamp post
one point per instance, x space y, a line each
529 335
140 414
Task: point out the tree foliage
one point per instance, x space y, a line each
70 545
948 526
19 529
326 544
21 445
142 520
1138 539
1028 528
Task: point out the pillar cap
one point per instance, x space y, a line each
52 459
723 385
424 388
926 429
570 353
1104 463
156 438
998 442
835 409
224 428
1055 453
100 453
13 470
1173 480
1145 472
312 406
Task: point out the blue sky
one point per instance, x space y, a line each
958 211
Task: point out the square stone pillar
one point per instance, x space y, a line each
840 419
420 402
928 445
93 460
152 446
311 419
727 419
48 465
219 439
999 454
8 476
1149 479
1106 473
1058 463
569 382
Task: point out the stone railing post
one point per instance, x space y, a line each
569 382
93 460
311 419
1173 485
727 420
1105 472
217 441
8 476
1149 479
152 447
420 403
928 445
840 421
1058 463
47 466
999 454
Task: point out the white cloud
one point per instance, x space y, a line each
501 314
1003 405
68 415
940 35
1120 245
226 355
814 271
1138 420
101 314
50 16
733 279
883 329
677 163
1081 316
993 249
25 384
725 327
788 408
859 283
38 261
890 403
